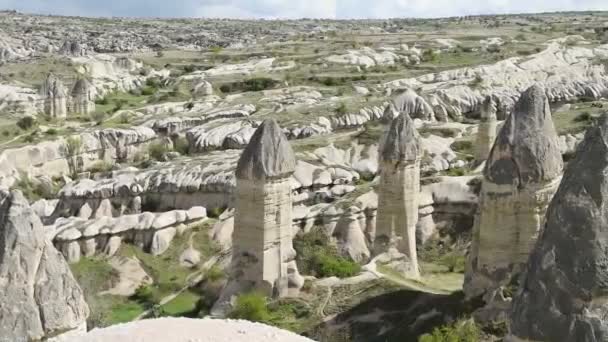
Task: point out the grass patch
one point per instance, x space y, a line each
461 331
317 257
184 305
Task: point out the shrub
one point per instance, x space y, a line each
328 265
462 331
26 122
251 307
216 212
342 109
32 190
97 117
144 295
147 91
102 101
100 166
189 68
253 84
51 131
316 256
429 55
216 49
584 117
124 118
521 37
157 151
182 146
454 261
214 274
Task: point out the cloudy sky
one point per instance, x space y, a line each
295 8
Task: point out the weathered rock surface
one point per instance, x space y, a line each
486 131
40 297
263 253
82 97
153 232
562 291
55 97
520 178
410 103
398 190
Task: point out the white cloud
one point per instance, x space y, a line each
270 9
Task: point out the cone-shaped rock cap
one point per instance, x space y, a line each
401 142
563 294
268 154
81 87
526 149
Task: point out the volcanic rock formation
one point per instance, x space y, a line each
83 97
55 97
410 103
562 296
486 131
521 175
263 254
38 294
399 189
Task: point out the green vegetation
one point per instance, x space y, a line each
253 84
116 101
184 305
26 123
317 257
252 307
157 151
461 331
35 190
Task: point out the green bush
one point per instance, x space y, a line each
584 117
253 84
429 55
100 166
251 307
214 274
316 256
454 261
342 109
51 131
182 146
215 212
103 101
462 331
157 151
328 265
147 91
26 122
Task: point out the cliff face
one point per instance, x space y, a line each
39 295
562 297
521 175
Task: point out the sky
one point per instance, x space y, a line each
280 9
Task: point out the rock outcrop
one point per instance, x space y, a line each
55 97
562 297
72 49
400 155
39 296
263 254
521 175
153 232
82 97
486 131
410 103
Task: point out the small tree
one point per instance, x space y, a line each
73 147
26 122
251 307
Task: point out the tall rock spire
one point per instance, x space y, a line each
39 297
486 131
55 97
263 257
399 190
82 97
521 175
562 297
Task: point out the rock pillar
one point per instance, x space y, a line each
563 294
486 131
82 97
399 190
520 177
55 97
263 252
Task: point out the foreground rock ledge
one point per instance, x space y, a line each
562 297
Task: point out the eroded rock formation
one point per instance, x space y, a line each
398 191
486 131
562 297
82 97
38 294
410 103
263 254
521 175
55 97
